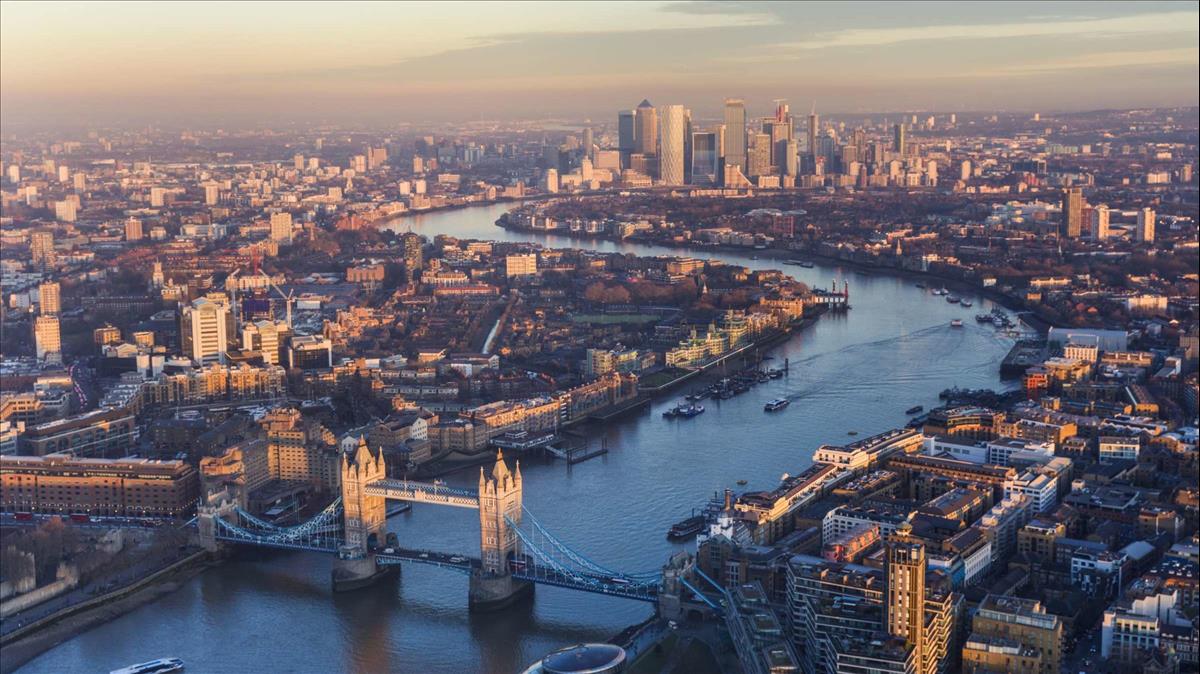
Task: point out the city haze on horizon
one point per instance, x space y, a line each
75 64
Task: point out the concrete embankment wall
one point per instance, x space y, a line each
102 599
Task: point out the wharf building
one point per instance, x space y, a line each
104 432
301 450
63 484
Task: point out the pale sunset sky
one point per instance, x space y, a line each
251 62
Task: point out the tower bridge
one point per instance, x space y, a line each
515 550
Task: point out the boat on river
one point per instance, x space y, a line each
684 411
915 409
776 404
686 528
160 666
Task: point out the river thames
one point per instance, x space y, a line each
274 612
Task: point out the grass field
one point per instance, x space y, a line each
661 377
614 318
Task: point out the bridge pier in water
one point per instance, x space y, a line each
516 551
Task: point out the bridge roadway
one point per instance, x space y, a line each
521 569
445 560
423 492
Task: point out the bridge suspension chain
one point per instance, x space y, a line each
331 512
577 558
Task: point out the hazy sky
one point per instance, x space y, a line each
240 61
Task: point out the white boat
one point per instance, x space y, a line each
776 404
160 666
956 323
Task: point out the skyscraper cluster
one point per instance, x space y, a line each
666 145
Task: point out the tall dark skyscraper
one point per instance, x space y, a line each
706 158
898 139
1072 213
646 129
814 126
626 135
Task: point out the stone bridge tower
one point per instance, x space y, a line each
363 516
499 498
492 586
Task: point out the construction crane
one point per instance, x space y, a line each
231 286
288 299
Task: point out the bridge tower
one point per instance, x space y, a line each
363 517
492 586
215 507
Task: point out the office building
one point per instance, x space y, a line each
265 337
735 133
791 158
550 181
645 129
706 158
758 155
1072 213
1150 618
204 329
310 353
672 140
898 141
626 135
47 339
1016 633
62 484
814 125
50 298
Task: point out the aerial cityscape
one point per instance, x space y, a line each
680 337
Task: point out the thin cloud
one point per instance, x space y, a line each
1164 22
1116 59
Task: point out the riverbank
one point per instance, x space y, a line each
27 642
1006 301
